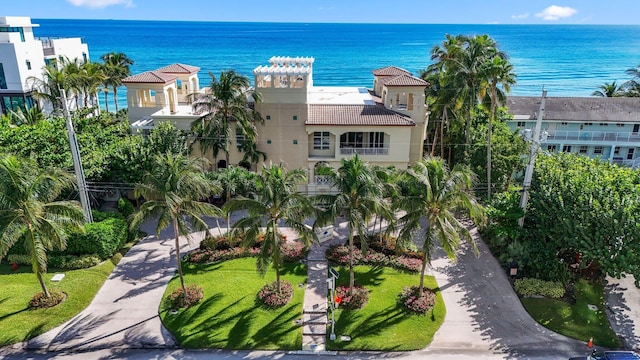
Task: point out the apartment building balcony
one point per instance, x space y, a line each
593 136
364 150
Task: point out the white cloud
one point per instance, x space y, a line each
99 4
555 12
520 16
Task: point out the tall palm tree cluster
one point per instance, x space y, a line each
629 88
467 73
81 81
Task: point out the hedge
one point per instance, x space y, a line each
102 238
537 287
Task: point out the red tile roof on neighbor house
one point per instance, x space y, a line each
179 69
356 115
150 77
404 80
390 71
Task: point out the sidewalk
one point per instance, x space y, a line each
623 305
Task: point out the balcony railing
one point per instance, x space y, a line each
364 151
322 180
593 136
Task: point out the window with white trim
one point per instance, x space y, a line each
597 150
321 140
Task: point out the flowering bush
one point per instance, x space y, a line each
221 242
386 245
39 301
410 300
292 252
270 297
211 256
354 300
407 263
178 299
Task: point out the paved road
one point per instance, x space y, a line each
484 318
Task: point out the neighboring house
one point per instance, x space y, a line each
23 56
305 125
162 95
602 127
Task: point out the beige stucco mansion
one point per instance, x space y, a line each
304 124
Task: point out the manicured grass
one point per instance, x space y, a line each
229 316
383 324
576 321
18 323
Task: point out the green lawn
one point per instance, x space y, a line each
18 323
576 321
229 316
383 324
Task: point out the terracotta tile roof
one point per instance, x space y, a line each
356 115
404 80
179 69
390 71
150 77
590 109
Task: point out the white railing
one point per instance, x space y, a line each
593 136
364 151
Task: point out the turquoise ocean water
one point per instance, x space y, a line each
568 60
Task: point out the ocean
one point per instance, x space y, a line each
567 60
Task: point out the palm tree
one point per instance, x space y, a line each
435 192
225 103
609 90
251 153
276 200
358 199
47 89
90 78
174 190
116 67
498 77
29 117
460 59
29 211
233 180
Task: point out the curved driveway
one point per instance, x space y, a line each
485 319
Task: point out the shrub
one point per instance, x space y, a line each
410 300
537 287
72 262
354 300
292 252
19 259
99 216
270 297
39 301
179 299
125 207
102 238
210 256
115 259
221 242
407 263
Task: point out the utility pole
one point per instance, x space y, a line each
77 164
535 144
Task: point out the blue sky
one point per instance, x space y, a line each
358 11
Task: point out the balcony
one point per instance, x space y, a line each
364 151
593 136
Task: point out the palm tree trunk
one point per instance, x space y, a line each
435 139
445 118
177 243
490 129
352 279
106 99
45 291
424 266
115 96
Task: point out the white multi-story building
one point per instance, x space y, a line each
602 127
23 56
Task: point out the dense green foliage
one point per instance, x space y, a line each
102 238
537 287
587 207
